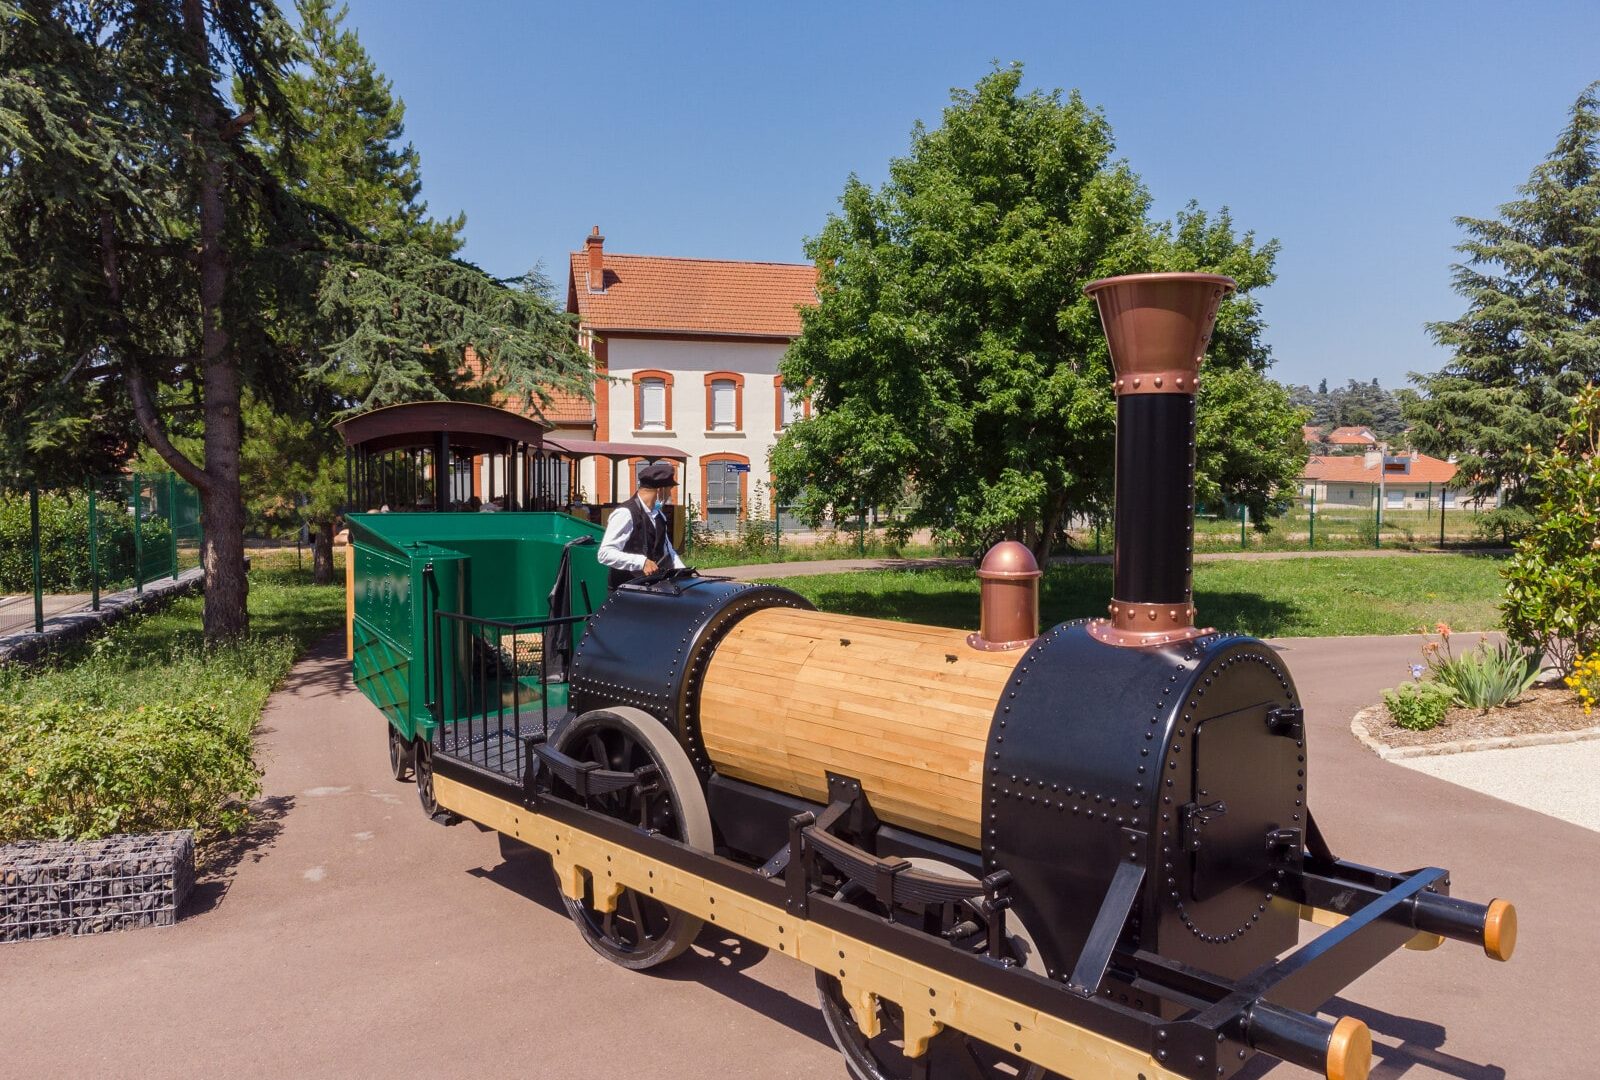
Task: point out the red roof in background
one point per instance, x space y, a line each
1310 433
1352 436
693 296
1351 469
564 407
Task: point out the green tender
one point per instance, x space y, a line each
492 566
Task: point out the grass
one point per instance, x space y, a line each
710 554
1287 598
161 657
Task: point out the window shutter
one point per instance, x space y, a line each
722 411
653 403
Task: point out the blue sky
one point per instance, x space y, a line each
1353 133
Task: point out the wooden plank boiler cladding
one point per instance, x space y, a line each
792 695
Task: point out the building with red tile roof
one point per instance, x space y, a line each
687 351
1351 437
1407 481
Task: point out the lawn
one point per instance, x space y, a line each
1280 598
144 726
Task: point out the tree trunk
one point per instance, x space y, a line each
1055 506
322 553
227 613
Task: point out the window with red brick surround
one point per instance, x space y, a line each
709 462
738 399
802 406
640 378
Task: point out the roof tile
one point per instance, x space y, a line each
694 296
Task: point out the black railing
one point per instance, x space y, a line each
492 684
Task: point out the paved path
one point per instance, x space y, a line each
355 938
775 571
1558 779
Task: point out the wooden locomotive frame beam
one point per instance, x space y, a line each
866 972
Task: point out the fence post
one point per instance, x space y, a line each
1377 517
1243 512
38 569
1311 536
172 520
777 527
1441 515
138 537
861 534
94 551
1097 536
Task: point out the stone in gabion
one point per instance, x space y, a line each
50 887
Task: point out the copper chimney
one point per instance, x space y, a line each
1158 326
1008 611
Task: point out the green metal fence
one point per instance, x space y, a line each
63 550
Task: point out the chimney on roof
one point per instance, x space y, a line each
594 244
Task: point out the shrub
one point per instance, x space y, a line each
1418 706
64 542
76 770
1486 677
1585 681
1552 600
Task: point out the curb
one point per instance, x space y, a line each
27 646
1360 728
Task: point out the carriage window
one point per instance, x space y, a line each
652 404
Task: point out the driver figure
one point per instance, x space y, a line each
636 540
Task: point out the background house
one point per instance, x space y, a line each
691 348
1409 481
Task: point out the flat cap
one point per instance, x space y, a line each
657 475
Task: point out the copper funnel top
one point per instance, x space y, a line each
1157 326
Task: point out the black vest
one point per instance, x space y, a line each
649 538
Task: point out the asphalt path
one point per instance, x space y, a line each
350 936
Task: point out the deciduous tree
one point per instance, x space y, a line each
953 351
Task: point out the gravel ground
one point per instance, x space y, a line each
1556 780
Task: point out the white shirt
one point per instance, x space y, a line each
619 526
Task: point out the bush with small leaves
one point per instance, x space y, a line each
1418 706
1552 600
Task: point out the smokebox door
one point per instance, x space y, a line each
1245 786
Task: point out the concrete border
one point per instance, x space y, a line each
1361 728
28 646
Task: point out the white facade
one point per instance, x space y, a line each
717 401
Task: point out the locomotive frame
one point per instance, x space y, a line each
1036 919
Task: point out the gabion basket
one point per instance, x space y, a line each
51 887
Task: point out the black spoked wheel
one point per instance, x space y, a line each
951 1054
422 754
399 754
640 931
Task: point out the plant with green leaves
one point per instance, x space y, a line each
953 356
1530 338
1552 598
1418 706
1487 677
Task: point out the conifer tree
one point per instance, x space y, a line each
1530 338
146 246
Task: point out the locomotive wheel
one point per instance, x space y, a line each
640 932
400 754
422 754
952 1054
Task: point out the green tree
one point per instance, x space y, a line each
145 245
1552 599
952 351
349 155
1530 338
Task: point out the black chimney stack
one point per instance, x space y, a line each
1158 326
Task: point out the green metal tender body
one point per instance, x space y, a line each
483 581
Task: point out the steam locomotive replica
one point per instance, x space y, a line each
1081 853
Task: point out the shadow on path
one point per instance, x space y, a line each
221 859
719 961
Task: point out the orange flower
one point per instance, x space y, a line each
1430 646
1442 629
